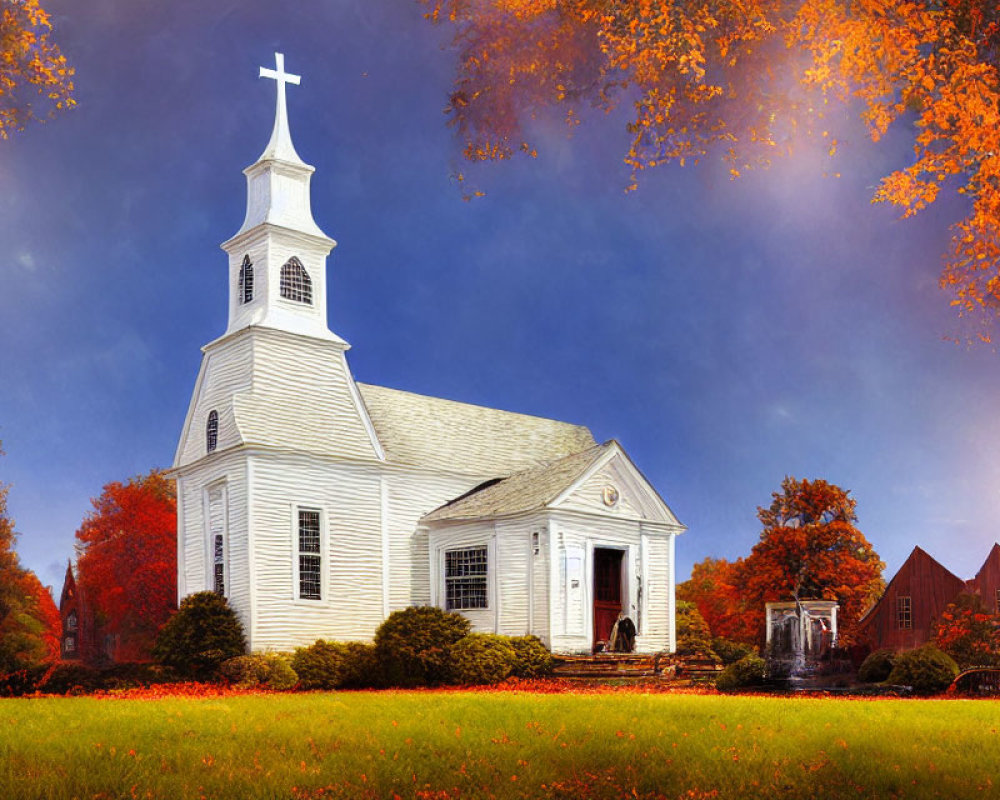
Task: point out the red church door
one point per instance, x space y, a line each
607 591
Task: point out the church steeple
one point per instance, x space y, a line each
277 259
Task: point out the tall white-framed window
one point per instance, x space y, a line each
217 546
246 281
466 578
308 524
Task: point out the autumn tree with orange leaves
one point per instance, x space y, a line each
713 588
35 80
810 549
743 79
29 622
127 562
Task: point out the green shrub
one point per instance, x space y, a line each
729 651
876 666
200 635
532 659
693 636
927 669
414 645
748 671
266 670
482 658
360 666
320 665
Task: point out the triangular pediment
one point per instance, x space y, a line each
613 486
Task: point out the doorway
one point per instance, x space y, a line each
607 591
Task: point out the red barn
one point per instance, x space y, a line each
987 581
903 618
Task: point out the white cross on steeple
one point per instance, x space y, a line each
280 145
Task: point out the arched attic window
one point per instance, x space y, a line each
246 281
295 282
212 431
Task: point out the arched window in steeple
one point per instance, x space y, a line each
212 431
295 282
246 280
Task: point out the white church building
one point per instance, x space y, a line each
318 505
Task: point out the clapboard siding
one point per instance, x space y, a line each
541 588
225 372
658 594
301 399
195 574
411 495
348 498
514 575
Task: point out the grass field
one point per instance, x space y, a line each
505 745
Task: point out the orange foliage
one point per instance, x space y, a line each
810 550
128 561
33 73
741 78
713 588
46 612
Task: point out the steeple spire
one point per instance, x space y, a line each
277 259
280 146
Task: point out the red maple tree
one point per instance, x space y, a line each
810 549
127 562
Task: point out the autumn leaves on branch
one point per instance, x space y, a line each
739 79
35 80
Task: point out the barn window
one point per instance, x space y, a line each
465 578
212 431
997 600
904 613
295 282
70 644
71 621
246 280
309 555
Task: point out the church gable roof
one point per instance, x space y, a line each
434 433
528 490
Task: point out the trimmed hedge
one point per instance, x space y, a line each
877 666
532 658
482 658
414 645
267 670
747 672
200 635
927 669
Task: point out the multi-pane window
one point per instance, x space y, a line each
997 601
218 574
295 282
212 431
219 564
904 613
465 578
71 621
310 571
246 280
70 644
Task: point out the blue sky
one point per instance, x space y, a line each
727 333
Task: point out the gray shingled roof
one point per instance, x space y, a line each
442 434
528 490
